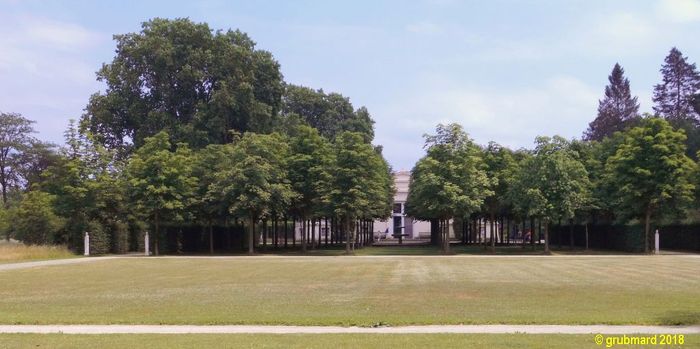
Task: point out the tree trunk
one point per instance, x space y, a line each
493 234
285 232
586 236
303 234
211 238
532 232
647 223
571 234
251 235
445 236
156 238
546 236
346 228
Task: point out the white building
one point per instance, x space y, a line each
399 223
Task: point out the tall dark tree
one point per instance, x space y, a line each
673 97
15 139
616 110
330 113
179 76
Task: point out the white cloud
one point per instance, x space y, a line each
617 34
559 105
46 49
58 34
679 10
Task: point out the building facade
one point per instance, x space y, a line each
399 223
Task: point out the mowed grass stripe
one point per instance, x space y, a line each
357 291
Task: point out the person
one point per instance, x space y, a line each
528 235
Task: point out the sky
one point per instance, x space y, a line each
508 71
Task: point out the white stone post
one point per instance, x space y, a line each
146 245
656 242
87 244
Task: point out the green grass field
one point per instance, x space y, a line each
404 341
357 291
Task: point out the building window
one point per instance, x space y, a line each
398 208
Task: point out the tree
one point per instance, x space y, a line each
617 110
253 182
34 221
673 97
449 181
356 183
500 168
160 181
90 186
36 158
551 185
208 204
650 172
309 162
15 138
330 113
178 76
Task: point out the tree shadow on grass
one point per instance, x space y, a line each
680 318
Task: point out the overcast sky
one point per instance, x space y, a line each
506 70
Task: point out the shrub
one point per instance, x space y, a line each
120 237
34 221
99 238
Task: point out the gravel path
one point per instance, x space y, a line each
25 265
224 329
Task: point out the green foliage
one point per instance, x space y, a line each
501 167
179 76
100 242
450 181
89 183
553 184
4 222
359 186
309 163
160 181
649 172
15 139
208 205
330 113
253 181
34 221
254 178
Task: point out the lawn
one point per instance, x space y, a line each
357 291
17 252
404 341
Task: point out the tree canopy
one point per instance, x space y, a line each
184 78
650 172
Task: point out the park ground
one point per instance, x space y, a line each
354 290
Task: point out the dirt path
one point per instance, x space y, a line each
233 329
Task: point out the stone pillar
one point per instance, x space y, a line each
656 242
146 245
86 244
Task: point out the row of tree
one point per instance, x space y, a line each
195 127
255 177
627 166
